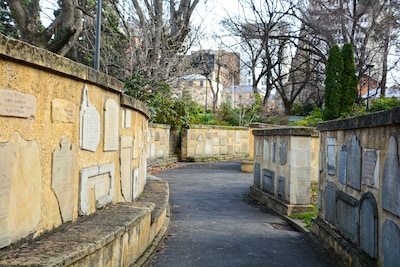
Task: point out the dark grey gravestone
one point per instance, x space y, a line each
370 176
369 226
391 179
282 152
353 166
281 187
330 202
342 164
273 152
331 156
347 215
266 150
390 243
268 180
256 174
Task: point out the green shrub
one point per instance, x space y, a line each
384 103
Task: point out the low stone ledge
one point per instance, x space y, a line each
156 192
247 166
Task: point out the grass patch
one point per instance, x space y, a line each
306 217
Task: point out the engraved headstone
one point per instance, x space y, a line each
342 164
273 152
353 166
111 124
369 226
63 178
266 150
390 243
62 111
331 156
347 215
89 124
257 147
283 152
238 139
208 147
370 168
16 104
281 187
268 180
135 183
391 179
330 202
257 174
126 118
126 168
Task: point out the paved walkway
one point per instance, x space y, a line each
214 223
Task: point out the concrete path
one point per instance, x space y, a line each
214 223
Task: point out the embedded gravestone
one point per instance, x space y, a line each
89 124
135 189
62 111
331 156
100 181
370 168
238 138
257 147
283 152
208 147
63 182
353 165
126 168
126 119
20 189
266 150
273 152
391 179
330 202
268 180
390 243
111 124
347 215
281 187
369 226
342 164
256 174
16 104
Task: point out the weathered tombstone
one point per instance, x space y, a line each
126 118
257 174
257 147
353 166
268 180
111 125
370 168
266 150
16 104
208 147
63 178
369 225
331 156
281 187
347 215
391 179
62 111
330 202
273 152
390 243
283 146
135 184
126 168
89 124
342 164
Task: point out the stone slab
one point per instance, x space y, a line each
369 225
342 164
266 152
390 243
257 174
89 124
391 179
331 156
16 104
111 125
63 178
63 111
370 168
281 187
268 180
126 167
273 152
353 165
283 151
330 202
347 215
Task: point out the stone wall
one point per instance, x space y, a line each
71 142
285 164
158 141
359 188
206 142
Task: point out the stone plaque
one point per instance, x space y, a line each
63 183
331 156
62 111
89 124
97 179
268 180
135 189
16 104
370 168
111 125
281 187
20 189
390 243
273 152
369 225
257 147
238 139
208 147
126 118
347 215
391 179
257 174
283 152
266 150
330 202
342 164
353 165
126 167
